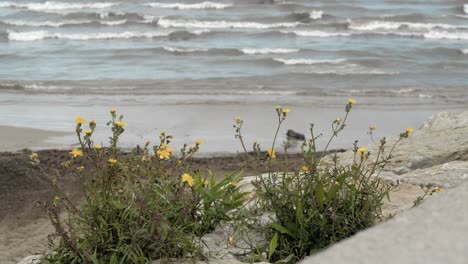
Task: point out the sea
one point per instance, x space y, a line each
189 67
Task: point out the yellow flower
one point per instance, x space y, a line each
409 130
97 146
231 241
372 127
198 142
112 111
233 184
338 120
237 120
163 133
112 161
351 101
163 154
88 131
205 182
188 179
271 153
286 110
362 151
305 168
34 156
76 152
80 168
121 123
278 107
80 120
437 189
337 183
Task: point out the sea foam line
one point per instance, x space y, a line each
316 14
390 25
42 34
51 5
308 61
62 23
183 50
465 8
220 24
252 51
316 33
202 5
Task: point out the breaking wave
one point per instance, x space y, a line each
316 33
389 25
42 34
251 51
308 61
51 5
163 22
202 5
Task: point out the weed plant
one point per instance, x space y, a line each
139 206
311 207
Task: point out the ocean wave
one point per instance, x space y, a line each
316 14
62 23
202 5
44 23
465 8
252 51
42 34
390 25
51 5
183 50
316 33
464 51
446 35
308 61
220 24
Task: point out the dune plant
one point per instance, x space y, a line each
137 206
312 206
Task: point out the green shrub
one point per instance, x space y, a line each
313 206
139 206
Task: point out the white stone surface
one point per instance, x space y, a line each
434 232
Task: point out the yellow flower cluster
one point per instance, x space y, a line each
362 151
271 153
34 156
188 179
120 123
76 152
198 142
112 161
164 153
80 120
352 101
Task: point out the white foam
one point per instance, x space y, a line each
316 33
446 35
465 8
316 14
44 23
202 5
61 23
390 25
42 34
251 51
51 5
114 23
308 61
220 24
464 51
183 50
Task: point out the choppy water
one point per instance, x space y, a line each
392 53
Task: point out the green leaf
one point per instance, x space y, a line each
117 204
286 260
282 229
319 195
273 245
